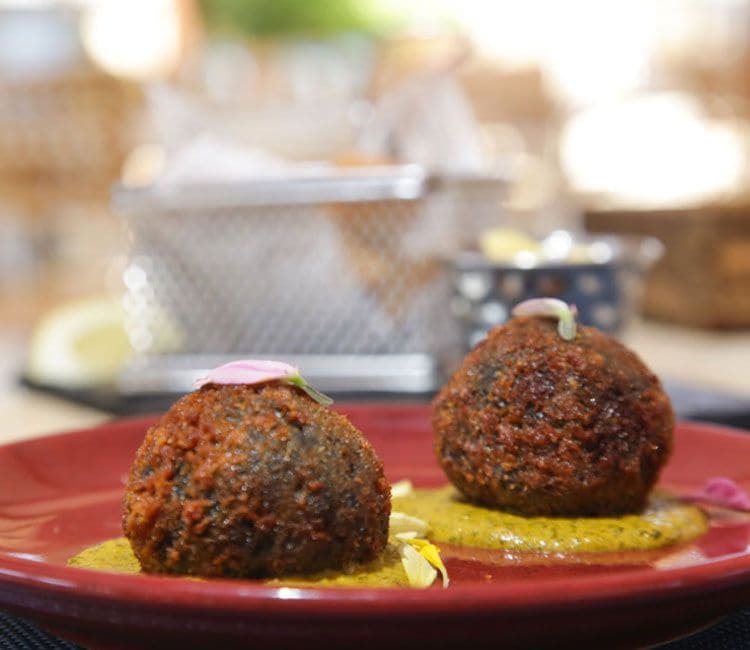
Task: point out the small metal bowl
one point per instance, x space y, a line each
605 286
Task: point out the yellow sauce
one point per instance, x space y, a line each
112 555
116 555
665 522
386 571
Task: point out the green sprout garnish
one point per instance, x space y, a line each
299 380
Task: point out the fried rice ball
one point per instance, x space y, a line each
253 481
538 425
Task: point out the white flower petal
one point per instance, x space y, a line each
409 534
419 572
403 523
401 489
431 553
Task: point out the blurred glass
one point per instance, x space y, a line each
38 42
654 150
111 30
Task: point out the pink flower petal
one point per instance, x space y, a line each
540 307
724 492
247 371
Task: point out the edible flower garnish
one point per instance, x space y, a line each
431 553
403 523
421 560
420 573
565 314
401 488
723 492
257 371
419 557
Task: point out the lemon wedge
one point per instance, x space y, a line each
79 344
502 245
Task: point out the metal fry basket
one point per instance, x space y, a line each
341 276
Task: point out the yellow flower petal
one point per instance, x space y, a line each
402 523
401 489
431 553
419 571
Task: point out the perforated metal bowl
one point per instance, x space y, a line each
605 288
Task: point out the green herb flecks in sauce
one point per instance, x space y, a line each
665 522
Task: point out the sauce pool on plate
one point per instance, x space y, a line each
665 522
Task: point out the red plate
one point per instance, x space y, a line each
62 493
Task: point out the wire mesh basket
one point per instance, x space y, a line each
342 276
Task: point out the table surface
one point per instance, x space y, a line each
713 361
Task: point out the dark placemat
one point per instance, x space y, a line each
19 634
108 400
690 402
731 633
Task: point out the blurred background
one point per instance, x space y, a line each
364 188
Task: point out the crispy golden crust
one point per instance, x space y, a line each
250 481
542 426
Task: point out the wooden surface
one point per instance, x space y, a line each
703 279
